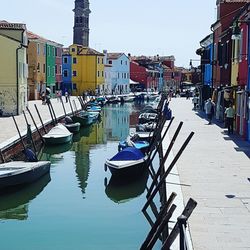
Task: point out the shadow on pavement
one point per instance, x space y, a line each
241 144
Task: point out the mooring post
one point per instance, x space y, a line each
35 124
148 245
40 119
154 192
164 158
162 212
29 131
65 114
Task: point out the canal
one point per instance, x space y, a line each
79 206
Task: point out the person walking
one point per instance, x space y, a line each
209 109
229 115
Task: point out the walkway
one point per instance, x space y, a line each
214 170
9 134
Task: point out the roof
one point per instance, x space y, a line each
12 26
33 36
88 51
114 56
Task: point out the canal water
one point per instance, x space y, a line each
78 205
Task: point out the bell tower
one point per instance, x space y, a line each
81 22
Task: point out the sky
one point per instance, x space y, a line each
138 27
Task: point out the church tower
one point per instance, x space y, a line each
81 22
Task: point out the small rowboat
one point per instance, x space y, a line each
20 172
57 135
129 163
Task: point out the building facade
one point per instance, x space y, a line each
14 68
36 59
87 69
120 72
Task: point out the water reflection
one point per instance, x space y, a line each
121 191
14 202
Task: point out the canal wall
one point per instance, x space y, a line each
10 143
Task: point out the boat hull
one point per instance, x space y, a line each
22 176
58 140
130 171
73 127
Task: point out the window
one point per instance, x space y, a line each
56 69
74 73
74 85
44 49
118 75
74 60
121 62
38 48
102 61
44 68
48 71
98 73
60 67
102 74
56 53
98 60
126 63
65 73
48 50
53 71
80 19
73 50
110 61
38 67
65 60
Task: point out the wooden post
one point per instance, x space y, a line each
35 124
40 119
191 204
159 229
154 192
162 213
28 127
52 118
65 114
19 133
71 107
165 158
53 112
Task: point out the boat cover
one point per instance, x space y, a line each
128 154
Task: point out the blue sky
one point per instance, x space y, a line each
139 27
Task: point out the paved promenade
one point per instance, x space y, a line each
214 170
9 132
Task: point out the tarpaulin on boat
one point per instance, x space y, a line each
127 154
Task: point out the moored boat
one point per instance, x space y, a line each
20 172
57 135
73 127
129 162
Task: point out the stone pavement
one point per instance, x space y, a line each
214 170
9 134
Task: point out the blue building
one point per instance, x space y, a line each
206 53
66 72
120 72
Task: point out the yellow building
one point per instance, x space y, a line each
87 69
36 58
13 70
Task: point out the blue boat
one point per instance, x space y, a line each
129 162
94 108
141 145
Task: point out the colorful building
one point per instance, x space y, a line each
120 72
36 59
66 71
87 69
14 69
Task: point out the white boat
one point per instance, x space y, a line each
57 135
20 172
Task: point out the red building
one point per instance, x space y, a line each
58 66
